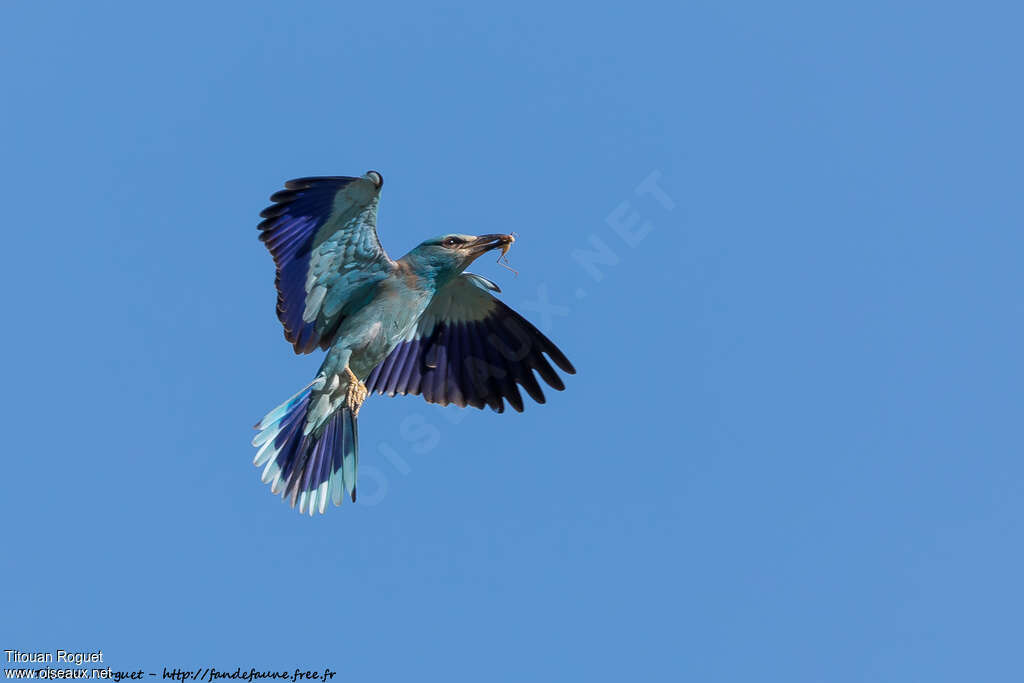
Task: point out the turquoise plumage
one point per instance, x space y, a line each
418 325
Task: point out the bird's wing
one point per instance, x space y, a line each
470 349
322 233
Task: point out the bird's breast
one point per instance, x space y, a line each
381 325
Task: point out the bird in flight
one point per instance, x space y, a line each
415 325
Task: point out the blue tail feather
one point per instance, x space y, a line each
309 469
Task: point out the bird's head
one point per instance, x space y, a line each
446 256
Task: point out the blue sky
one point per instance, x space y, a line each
793 448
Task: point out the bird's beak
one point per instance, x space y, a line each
484 243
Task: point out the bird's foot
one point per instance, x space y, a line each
356 392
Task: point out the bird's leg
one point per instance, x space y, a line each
356 392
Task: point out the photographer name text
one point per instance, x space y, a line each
60 656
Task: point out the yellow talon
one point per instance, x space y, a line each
356 392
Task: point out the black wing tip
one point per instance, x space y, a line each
563 363
546 344
375 177
309 181
294 187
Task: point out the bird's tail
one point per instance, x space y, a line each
312 468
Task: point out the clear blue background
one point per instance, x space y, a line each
793 448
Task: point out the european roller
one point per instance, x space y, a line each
416 325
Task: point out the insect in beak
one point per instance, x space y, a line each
502 259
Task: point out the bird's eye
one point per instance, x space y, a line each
452 241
